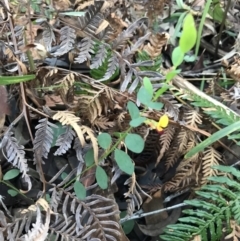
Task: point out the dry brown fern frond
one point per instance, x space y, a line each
172 157
103 123
68 118
133 194
66 82
82 4
210 158
183 178
165 141
156 43
193 118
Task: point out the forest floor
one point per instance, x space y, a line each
119 120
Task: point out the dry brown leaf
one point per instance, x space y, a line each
102 26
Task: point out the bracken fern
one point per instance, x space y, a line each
211 211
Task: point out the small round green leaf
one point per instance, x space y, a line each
133 110
12 192
144 96
148 85
89 158
104 140
177 56
155 105
137 122
11 174
134 142
101 177
79 190
124 161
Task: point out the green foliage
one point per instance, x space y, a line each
11 174
189 34
12 192
128 225
219 114
177 56
134 142
124 161
214 207
79 190
8 80
104 140
89 157
101 177
216 11
143 56
100 72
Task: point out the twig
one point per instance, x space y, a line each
140 214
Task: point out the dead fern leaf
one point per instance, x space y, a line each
68 118
165 141
211 157
103 123
156 43
66 82
90 134
193 118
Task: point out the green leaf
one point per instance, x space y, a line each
104 140
8 80
101 177
189 34
177 56
76 14
89 157
12 192
144 96
170 75
215 137
79 190
128 225
124 161
148 85
133 110
155 105
217 12
64 175
137 122
134 142
11 174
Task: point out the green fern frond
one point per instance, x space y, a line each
211 211
219 114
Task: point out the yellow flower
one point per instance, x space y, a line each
160 125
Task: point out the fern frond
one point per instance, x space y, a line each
85 47
222 116
193 118
68 118
43 138
66 82
113 64
99 58
165 140
103 123
67 39
210 158
16 155
133 194
64 141
91 219
48 36
213 209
